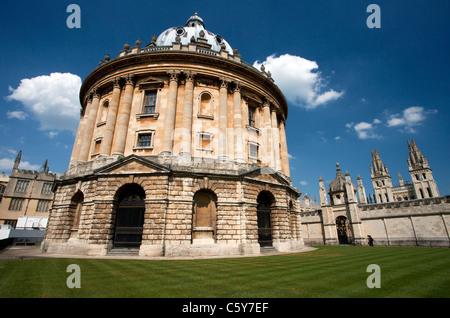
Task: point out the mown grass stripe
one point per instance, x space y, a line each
327 272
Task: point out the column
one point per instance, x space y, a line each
186 123
284 149
80 132
89 127
237 124
169 123
276 140
223 118
267 135
123 118
108 130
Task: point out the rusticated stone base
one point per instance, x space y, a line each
169 226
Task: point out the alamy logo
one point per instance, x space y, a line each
374 279
374 20
74 279
74 20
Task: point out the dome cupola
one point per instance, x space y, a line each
193 31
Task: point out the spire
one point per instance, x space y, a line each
378 168
17 161
400 179
416 159
44 167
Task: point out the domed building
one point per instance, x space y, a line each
181 150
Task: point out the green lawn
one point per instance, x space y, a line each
327 272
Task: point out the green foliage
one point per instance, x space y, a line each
326 272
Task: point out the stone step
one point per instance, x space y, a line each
124 251
268 249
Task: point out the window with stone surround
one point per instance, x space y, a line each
43 206
21 186
144 139
149 106
204 141
46 188
251 116
16 204
253 151
97 145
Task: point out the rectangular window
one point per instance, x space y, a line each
42 206
145 140
15 204
97 145
251 116
150 102
204 141
21 186
46 188
253 151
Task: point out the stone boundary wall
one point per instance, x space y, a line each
423 222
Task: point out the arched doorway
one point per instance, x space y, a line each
264 200
341 227
204 217
129 216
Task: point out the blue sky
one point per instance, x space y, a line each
364 88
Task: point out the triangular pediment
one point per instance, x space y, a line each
268 174
252 97
133 164
150 81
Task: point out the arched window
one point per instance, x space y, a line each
204 217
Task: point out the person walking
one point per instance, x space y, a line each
370 239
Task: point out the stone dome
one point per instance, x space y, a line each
194 28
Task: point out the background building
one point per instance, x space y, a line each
407 214
26 202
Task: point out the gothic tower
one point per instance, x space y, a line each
381 180
424 184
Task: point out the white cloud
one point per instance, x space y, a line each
17 114
411 117
51 99
298 80
52 134
7 164
303 182
337 138
365 130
